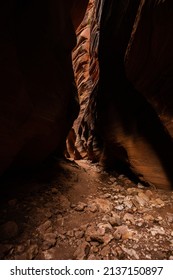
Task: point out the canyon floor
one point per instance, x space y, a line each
75 210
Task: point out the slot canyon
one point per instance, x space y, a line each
86 130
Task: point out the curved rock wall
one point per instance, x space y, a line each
129 111
38 97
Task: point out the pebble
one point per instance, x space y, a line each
70 233
104 205
107 238
128 204
117 188
106 195
140 200
95 249
82 251
105 251
81 206
104 226
47 226
119 207
115 220
92 208
79 234
129 217
143 196
157 230
9 230
124 232
49 240
131 252
140 186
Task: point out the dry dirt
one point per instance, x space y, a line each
78 211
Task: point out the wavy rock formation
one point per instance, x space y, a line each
128 116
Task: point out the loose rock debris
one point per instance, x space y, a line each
97 216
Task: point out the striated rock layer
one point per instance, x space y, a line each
38 102
129 110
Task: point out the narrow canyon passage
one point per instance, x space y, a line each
86 134
85 213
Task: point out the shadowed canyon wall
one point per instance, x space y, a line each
129 112
38 102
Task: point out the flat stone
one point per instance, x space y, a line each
81 206
79 234
9 230
157 230
131 252
119 207
104 205
105 251
141 201
127 203
107 238
129 217
115 220
143 196
82 251
105 227
43 228
140 186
